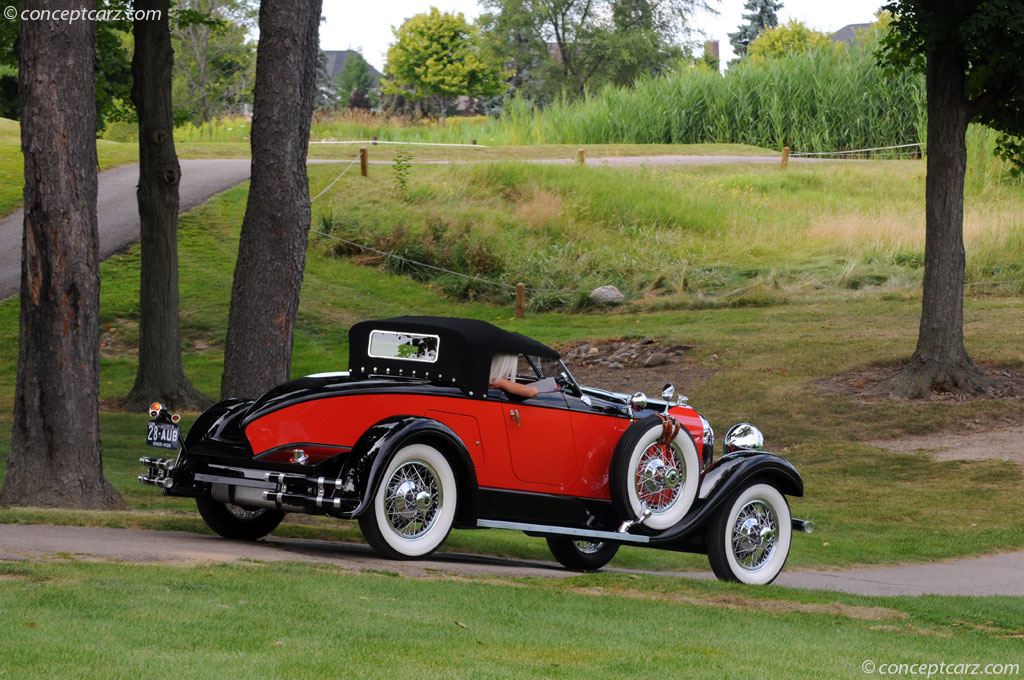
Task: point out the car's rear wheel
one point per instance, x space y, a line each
234 521
749 538
413 507
581 555
648 473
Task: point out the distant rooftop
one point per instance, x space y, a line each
336 61
848 33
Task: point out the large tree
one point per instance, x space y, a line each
275 230
436 57
160 375
55 457
761 15
571 46
973 56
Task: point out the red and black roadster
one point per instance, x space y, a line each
414 440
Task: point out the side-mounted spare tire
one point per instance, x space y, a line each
655 467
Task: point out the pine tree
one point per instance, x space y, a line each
762 16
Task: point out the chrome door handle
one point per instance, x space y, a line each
514 413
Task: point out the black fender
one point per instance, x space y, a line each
725 476
374 450
219 425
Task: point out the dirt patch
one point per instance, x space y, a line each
1007 383
740 602
629 365
120 338
999 444
1001 440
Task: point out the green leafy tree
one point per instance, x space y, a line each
355 76
571 46
214 60
112 75
436 57
761 16
793 37
972 55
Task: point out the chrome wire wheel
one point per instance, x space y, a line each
412 499
414 504
755 535
657 477
581 554
244 514
748 540
589 547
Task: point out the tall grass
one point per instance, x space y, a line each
822 100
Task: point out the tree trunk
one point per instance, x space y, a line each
275 230
55 455
940 363
160 376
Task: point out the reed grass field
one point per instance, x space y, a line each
826 99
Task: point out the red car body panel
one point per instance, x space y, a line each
513 445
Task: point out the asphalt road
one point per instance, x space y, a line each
118 212
993 575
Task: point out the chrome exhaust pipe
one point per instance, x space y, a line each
804 525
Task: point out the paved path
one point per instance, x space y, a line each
118 212
993 575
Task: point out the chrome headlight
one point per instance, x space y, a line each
707 451
743 436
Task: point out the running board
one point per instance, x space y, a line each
563 531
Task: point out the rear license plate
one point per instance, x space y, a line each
162 435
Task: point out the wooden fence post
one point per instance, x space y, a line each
520 300
581 156
364 162
785 157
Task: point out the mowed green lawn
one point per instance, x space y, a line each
871 505
259 620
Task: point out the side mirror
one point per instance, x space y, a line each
668 392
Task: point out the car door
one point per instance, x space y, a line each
540 438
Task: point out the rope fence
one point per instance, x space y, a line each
892 152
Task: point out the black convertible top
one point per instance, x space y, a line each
445 350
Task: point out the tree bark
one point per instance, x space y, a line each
275 230
55 457
940 362
160 375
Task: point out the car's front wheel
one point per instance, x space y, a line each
234 521
749 538
581 555
413 507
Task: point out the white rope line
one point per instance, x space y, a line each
843 153
381 141
347 167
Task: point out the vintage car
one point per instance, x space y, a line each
413 440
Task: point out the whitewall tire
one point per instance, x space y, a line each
749 539
413 507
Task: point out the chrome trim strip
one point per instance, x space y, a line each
235 481
563 531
